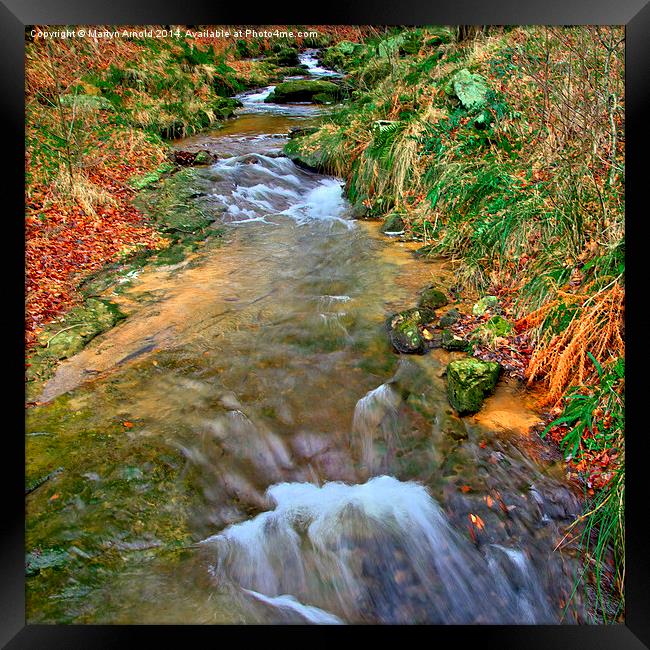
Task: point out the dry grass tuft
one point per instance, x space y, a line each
596 328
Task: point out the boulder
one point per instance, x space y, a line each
469 381
224 107
449 318
452 342
404 330
432 298
312 158
304 90
471 89
299 131
286 57
393 224
203 158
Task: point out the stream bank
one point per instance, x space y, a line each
247 447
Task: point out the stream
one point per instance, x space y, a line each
325 478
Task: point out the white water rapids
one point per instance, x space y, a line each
382 551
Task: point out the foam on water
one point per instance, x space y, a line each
381 551
308 58
257 186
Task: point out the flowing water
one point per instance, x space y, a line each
326 479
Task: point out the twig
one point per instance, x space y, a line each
63 330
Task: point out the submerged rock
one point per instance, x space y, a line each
469 381
393 224
404 331
316 91
432 298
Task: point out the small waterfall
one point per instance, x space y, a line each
255 187
308 58
380 552
376 418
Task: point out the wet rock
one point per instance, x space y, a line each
449 318
189 158
307 445
471 89
65 339
315 91
555 502
204 158
299 131
484 305
311 158
224 107
432 298
469 381
404 331
359 210
449 341
393 224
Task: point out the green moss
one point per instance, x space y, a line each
113 500
404 331
393 224
145 180
469 381
432 298
302 91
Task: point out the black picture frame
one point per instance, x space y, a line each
16 14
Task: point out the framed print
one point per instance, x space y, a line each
325 322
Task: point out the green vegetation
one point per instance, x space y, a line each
502 148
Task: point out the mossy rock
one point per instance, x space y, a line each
432 298
452 342
360 210
449 318
324 98
204 158
495 327
342 56
484 305
300 131
64 339
404 330
179 204
285 57
224 107
310 157
471 89
469 381
302 91
393 224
